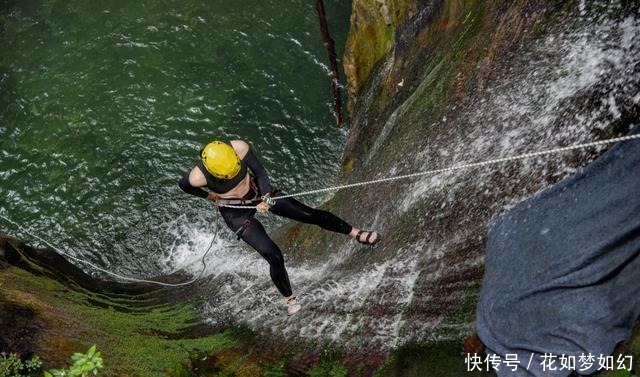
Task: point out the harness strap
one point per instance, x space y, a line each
220 202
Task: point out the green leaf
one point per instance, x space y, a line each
75 370
91 351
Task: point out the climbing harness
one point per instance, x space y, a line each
202 259
230 202
237 202
455 167
272 200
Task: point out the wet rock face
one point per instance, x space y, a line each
21 328
8 255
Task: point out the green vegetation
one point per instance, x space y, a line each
83 365
13 366
329 369
224 363
617 373
624 373
140 342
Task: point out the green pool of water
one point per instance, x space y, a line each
104 105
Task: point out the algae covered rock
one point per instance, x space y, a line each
371 36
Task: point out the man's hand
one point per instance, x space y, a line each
262 207
213 196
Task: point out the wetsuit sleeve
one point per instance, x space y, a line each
186 187
262 177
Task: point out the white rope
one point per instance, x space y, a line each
204 265
455 167
318 191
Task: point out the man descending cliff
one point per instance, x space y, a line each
233 175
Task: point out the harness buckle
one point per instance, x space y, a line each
243 228
268 199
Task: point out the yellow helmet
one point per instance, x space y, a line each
220 160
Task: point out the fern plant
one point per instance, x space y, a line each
84 365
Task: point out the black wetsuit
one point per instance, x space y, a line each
250 230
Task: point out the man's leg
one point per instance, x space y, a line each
298 211
255 235
293 209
